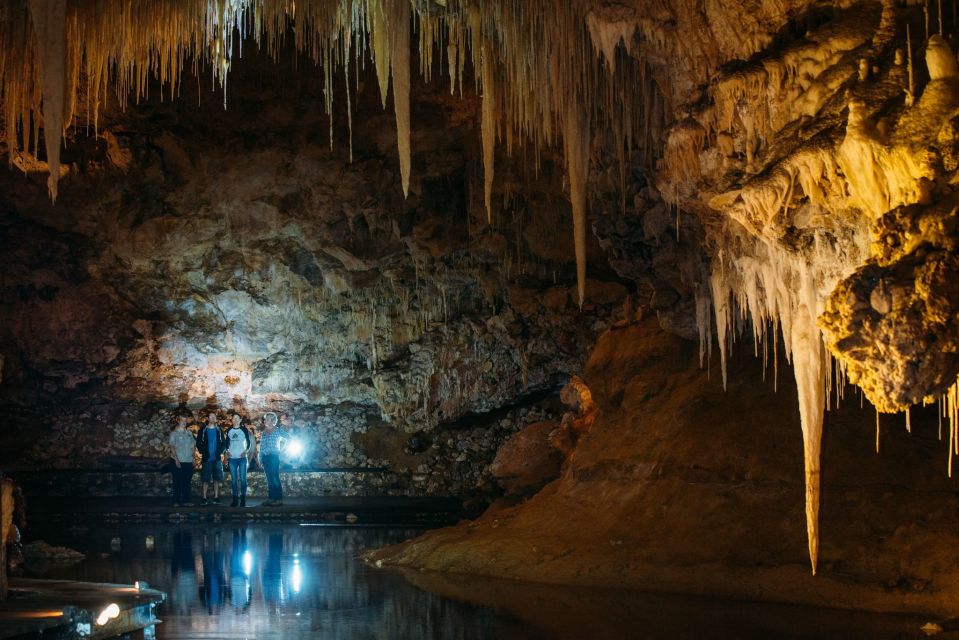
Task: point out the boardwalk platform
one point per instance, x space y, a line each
399 511
54 609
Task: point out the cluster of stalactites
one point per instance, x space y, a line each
757 280
544 81
778 294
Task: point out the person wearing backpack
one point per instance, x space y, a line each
211 443
238 447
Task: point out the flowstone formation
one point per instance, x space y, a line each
810 149
809 168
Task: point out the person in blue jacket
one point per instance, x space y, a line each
211 443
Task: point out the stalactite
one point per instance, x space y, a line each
951 402
705 327
808 358
576 143
400 65
720 297
130 45
380 36
49 22
349 106
877 430
779 291
488 126
939 412
911 95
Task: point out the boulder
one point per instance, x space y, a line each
527 461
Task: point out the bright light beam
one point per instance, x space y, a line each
294 449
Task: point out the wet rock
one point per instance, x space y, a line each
40 551
528 460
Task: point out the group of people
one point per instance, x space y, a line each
237 447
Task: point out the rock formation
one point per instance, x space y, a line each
684 486
181 269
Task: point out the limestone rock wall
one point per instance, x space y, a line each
199 258
683 486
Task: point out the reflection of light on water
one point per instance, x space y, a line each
297 576
276 600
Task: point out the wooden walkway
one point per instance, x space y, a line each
68 609
332 510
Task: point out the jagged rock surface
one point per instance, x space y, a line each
259 269
682 486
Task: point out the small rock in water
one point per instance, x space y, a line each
40 550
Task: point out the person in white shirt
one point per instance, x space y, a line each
239 442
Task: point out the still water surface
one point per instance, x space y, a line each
286 581
271 581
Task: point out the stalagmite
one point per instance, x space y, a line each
400 64
49 23
940 60
576 143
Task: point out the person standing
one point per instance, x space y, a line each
238 439
272 443
211 443
181 447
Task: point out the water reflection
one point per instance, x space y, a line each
273 573
183 584
275 581
241 567
213 583
282 581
